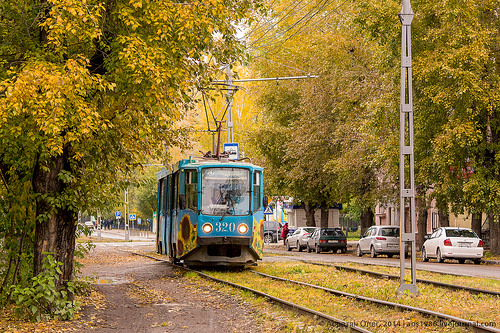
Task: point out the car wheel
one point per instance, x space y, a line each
439 257
461 261
373 253
318 250
299 248
358 251
268 238
308 249
389 255
344 250
477 261
288 248
424 255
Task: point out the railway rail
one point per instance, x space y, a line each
476 327
460 321
295 307
397 277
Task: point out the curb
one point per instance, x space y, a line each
351 245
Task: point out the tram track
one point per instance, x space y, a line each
292 306
397 277
476 327
379 275
399 306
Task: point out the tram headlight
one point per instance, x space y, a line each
243 228
207 228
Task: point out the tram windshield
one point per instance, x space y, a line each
225 191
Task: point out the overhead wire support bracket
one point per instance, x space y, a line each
269 79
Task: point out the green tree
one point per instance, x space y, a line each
88 90
329 139
456 83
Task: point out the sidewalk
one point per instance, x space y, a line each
135 235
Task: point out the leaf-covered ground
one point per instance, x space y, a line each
130 293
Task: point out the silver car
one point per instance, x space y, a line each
379 239
299 238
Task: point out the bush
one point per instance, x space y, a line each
42 300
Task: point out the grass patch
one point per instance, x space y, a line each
479 308
93 239
462 304
490 256
474 282
342 308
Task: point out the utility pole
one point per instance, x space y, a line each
229 99
127 229
406 154
98 225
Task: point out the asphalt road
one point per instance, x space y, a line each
448 267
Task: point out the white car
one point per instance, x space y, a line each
89 225
299 238
453 243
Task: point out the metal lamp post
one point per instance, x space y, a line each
406 155
127 229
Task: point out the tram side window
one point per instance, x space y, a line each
163 195
175 197
192 190
257 202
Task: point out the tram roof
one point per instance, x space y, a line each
191 163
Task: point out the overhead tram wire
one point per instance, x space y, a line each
272 25
310 14
303 27
259 26
297 32
306 17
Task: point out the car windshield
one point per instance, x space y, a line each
389 232
332 232
309 230
461 233
225 191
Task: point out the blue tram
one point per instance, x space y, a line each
211 212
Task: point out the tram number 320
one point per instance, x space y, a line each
224 226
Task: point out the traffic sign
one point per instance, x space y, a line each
268 211
139 221
233 148
132 217
118 214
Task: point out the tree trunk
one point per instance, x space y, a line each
56 233
476 223
494 235
444 215
422 214
310 222
367 217
324 215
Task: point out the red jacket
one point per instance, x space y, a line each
284 232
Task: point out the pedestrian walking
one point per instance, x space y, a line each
284 232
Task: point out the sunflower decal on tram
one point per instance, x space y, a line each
187 235
258 237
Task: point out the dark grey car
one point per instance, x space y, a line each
272 231
327 239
